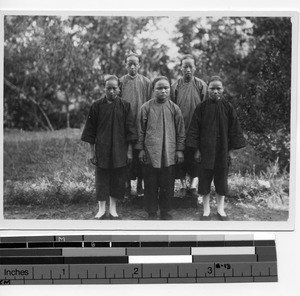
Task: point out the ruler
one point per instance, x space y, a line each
126 259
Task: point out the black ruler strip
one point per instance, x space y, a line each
12 245
96 244
30 252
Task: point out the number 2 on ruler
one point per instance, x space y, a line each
135 271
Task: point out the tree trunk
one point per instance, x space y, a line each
38 120
18 90
67 110
43 112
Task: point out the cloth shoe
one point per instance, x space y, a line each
140 191
166 216
193 193
111 217
222 218
182 193
152 216
205 218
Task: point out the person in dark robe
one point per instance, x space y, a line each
187 92
111 132
161 143
135 89
214 132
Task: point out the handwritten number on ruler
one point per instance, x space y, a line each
209 270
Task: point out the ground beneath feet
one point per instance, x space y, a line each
184 209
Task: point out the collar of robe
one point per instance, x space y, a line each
161 101
109 101
212 101
133 77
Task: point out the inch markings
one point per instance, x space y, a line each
124 273
123 259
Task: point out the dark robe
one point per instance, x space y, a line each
215 129
111 128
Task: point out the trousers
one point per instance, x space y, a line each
158 188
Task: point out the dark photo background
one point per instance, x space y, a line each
54 68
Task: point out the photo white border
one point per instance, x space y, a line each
286 241
140 225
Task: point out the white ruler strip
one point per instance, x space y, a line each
159 259
223 251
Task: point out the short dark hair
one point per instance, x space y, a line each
187 56
133 54
112 77
215 78
156 79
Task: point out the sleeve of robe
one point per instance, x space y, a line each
202 86
204 92
193 134
131 132
180 129
149 91
173 92
140 145
121 82
236 138
90 128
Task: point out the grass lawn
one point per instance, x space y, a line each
47 176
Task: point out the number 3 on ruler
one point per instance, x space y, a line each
209 270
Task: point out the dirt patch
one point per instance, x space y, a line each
184 209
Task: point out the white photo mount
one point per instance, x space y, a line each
141 225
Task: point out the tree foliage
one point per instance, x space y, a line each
253 56
55 67
265 107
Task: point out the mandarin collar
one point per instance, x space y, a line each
111 102
161 102
133 77
210 101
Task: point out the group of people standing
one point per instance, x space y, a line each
157 132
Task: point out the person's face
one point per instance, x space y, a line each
215 90
111 89
188 68
132 65
162 90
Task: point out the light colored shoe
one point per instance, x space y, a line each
127 192
98 217
199 200
140 191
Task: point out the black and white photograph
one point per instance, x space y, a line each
160 119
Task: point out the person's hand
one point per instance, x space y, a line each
92 158
230 157
179 157
197 155
142 156
129 156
